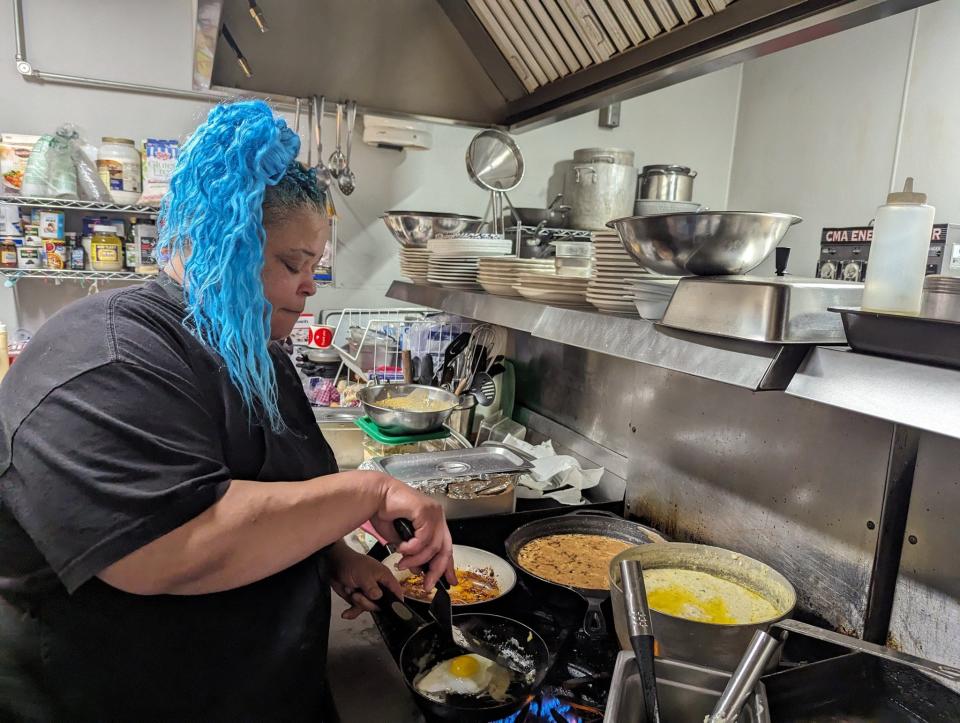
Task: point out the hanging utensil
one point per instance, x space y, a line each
337 160
296 117
309 125
641 634
324 179
453 350
481 340
441 609
484 389
348 180
426 370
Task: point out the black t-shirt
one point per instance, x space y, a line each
116 427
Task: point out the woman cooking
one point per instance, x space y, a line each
170 515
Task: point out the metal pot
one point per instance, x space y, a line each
716 646
666 183
599 185
405 421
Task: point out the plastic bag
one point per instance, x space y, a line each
50 172
60 168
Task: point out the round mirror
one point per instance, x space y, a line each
494 162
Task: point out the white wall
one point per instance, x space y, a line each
818 126
692 123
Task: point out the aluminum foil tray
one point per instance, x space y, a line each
458 463
779 310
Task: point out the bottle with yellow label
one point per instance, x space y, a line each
106 249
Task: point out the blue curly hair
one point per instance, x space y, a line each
237 171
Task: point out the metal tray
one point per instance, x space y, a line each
488 459
858 687
775 310
913 338
686 692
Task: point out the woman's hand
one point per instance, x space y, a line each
357 579
431 547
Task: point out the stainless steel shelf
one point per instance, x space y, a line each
752 365
915 395
12 276
66 204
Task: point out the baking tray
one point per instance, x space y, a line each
488 459
912 338
775 310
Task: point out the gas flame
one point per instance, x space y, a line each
544 709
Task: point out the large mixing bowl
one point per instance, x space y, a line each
711 243
708 644
406 421
415 228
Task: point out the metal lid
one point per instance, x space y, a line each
619 156
122 141
667 168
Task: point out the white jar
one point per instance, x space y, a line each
118 162
898 254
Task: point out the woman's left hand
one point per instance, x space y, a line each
357 579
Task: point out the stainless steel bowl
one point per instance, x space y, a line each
415 228
710 243
404 421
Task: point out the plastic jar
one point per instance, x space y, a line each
8 253
106 249
118 162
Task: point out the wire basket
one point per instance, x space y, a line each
371 342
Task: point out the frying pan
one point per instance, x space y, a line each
426 647
468 558
581 522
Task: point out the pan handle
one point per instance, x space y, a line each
393 607
594 623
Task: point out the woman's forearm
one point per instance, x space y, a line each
255 530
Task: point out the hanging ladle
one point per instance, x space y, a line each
337 160
324 178
348 181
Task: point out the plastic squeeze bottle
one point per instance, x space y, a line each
898 255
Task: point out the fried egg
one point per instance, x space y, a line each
466 675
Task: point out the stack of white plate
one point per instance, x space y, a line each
453 271
454 262
413 263
499 274
470 247
613 270
651 296
552 289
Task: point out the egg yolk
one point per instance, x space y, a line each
464 666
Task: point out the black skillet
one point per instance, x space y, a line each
425 647
581 522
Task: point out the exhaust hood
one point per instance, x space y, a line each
510 63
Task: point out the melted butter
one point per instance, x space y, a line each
703 597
